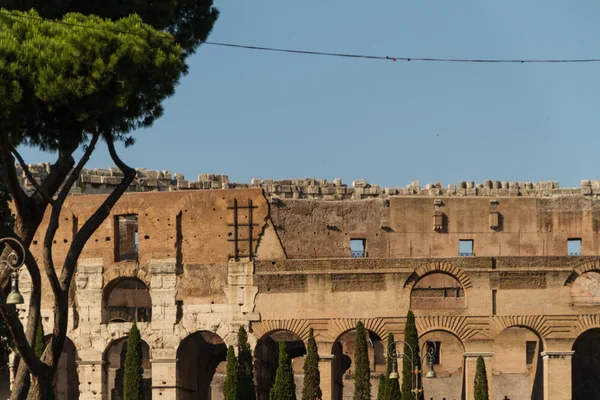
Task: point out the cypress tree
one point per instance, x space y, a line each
284 387
39 344
312 377
133 388
481 382
411 337
382 386
362 370
231 380
392 389
245 384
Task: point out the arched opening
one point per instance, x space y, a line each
266 357
127 300
517 366
585 291
114 369
66 379
586 366
448 365
201 367
437 291
343 363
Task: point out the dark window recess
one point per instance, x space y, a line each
358 248
126 238
434 351
494 294
530 349
465 248
574 247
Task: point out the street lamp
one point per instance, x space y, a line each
394 355
14 262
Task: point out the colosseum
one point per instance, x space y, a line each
509 271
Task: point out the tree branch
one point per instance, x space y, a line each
54 223
29 176
10 176
94 222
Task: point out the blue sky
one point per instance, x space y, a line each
269 115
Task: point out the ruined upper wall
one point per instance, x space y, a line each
101 181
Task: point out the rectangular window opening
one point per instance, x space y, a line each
435 351
531 347
358 248
574 247
494 294
126 237
465 248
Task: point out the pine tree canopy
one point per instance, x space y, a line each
133 388
284 387
62 83
190 21
362 369
312 377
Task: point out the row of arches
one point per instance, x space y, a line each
516 365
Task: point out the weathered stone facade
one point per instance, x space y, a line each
486 269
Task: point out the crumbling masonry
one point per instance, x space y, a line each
506 270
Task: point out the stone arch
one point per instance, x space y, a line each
126 299
586 365
343 350
266 356
201 366
263 328
441 266
114 365
66 379
126 271
338 326
517 365
535 323
585 323
437 290
456 326
448 364
582 269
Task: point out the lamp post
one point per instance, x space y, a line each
395 355
14 262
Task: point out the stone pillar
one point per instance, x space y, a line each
557 375
471 367
326 371
162 291
89 281
91 377
164 375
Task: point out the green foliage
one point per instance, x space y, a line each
481 381
284 387
230 386
392 392
62 82
39 344
133 388
362 370
245 384
391 348
190 21
382 387
312 377
411 338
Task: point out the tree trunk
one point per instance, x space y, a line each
41 388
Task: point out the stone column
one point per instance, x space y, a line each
164 375
557 375
89 280
326 371
91 377
163 284
471 367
